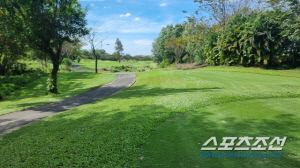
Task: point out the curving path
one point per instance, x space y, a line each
76 67
16 120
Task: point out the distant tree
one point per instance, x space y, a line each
68 50
159 50
219 11
119 49
127 57
47 25
86 53
177 45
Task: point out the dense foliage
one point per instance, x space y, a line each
45 26
248 37
9 84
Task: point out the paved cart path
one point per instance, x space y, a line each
76 67
16 120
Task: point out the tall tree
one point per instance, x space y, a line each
47 24
178 46
119 49
95 39
219 11
12 44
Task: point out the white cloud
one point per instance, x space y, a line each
137 19
163 4
143 42
126 15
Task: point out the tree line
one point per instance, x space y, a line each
248 33
103 55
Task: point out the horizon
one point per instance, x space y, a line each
136 23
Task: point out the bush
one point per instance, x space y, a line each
67 62
18 68
162 64
78 59
1 97
68 68
183 68
9 84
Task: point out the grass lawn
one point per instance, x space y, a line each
89 64
70 84
165 115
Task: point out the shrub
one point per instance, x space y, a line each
162 64
1 97
18 68
9 84
67 62
183 68
78 59
67 68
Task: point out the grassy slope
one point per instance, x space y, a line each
89 64
70 85
110 132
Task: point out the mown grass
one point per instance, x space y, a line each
89 64
70 84
177 143
111 132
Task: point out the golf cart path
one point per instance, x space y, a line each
16 120
76 67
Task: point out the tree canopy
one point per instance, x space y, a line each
46 25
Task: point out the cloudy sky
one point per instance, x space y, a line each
135 22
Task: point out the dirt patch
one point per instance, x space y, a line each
103 71
190 66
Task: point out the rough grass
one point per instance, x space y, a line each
70 84
89 64
111 132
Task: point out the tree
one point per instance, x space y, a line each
95 39
159 50
119 49
178 46
12 44
68 50
47 25
219 11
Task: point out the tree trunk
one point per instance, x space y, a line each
96 63
55 62
53 82
1 97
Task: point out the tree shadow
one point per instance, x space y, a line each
144 91
168 147
105 136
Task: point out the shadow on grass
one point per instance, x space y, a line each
144 91
177 143
96 136
68 85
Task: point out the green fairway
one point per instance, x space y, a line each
160 120
177 143
89 64
70 84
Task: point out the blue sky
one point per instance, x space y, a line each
135 22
